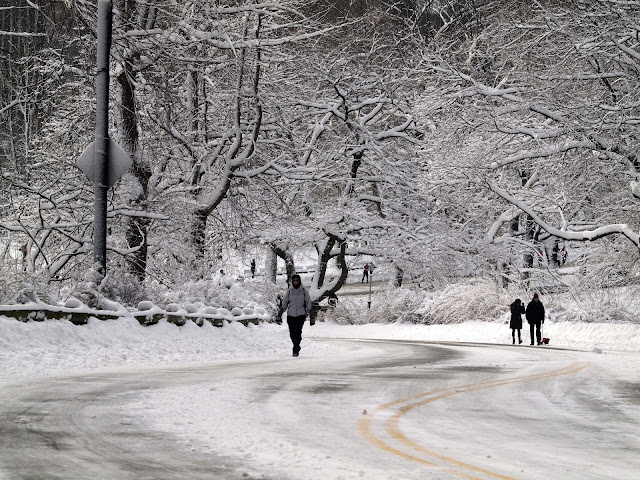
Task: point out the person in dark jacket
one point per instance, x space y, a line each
535 317
297 302
517 309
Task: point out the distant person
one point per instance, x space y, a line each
517 309
253 268
563 256
297 302
365 273
535 317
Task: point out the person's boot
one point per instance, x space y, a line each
519 341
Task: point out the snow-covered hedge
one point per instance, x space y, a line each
485 300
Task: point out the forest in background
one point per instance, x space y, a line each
450 140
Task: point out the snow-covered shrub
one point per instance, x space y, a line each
482 299
123 288
35 289
390 305
145 305
172 308
620 304
190 308
212 292
73 303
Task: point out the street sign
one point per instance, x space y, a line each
119 163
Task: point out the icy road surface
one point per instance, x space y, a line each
375 410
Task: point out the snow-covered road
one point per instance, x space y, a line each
372 410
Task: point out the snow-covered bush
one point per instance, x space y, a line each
172 308
390 305
482 299
621 304
218 291
123 288
145 305
73 303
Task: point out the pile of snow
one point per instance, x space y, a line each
56 347
573 335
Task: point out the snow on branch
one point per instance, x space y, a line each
22 34
627 50
616 228
564 147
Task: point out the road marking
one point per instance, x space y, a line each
409 403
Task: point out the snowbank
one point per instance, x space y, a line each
574 335
55 347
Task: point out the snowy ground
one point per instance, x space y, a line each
259 407
55 347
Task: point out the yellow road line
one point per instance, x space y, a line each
364 424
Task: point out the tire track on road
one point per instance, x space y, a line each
407 404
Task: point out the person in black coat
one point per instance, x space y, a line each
517 309
535 317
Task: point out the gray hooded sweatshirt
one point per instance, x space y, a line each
297 302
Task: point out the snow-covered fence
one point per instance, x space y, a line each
42 312
147 315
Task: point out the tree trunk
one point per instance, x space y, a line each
287 256
271 266
527 257
137 227
398 277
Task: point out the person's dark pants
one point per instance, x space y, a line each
513 335
295 330
365 275
535 325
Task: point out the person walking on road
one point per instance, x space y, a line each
253 268
517 309
365 273
297 303
535 317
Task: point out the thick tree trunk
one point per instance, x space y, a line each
136 233
554 261
270 266
137 227
326 252
199 231
324 255
287 256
